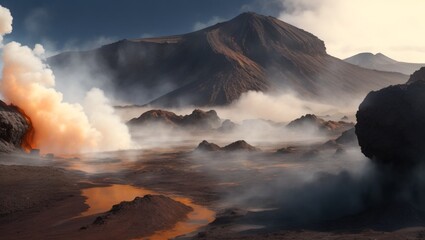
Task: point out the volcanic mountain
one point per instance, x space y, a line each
383 63
215 65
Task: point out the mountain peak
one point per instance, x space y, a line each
250 15
268 34
381 62
370 59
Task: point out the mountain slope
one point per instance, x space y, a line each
383 63
214 66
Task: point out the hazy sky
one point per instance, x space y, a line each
393 27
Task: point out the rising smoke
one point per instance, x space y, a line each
60 127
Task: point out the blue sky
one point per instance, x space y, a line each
68 24
348 27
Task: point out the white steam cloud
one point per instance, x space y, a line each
392 27
5 22
60 127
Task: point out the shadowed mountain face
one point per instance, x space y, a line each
383 63
214 66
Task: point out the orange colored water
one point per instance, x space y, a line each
101 199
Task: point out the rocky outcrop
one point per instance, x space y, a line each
143 216
198 119
417 76
390 123
240 145
13 128
311 121
208 147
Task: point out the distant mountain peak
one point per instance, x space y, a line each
381 62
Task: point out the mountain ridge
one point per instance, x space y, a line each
215 65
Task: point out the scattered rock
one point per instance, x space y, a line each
240 145
311 121
198 119
209 147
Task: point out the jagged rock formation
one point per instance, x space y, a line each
209 147
240 145
311 121
198 119
383 63
390 123
215 65
141 217
13 128
417 76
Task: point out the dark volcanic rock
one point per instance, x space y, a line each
347 138
311 121
240 145
215 65
390 123
13 128
201 119
143 216
197 119
157 116
417 76
206 146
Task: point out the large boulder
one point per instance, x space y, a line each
13 128
390 123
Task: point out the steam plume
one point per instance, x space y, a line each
60 127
